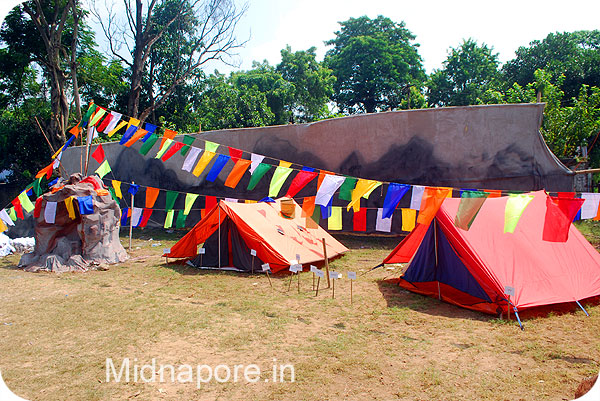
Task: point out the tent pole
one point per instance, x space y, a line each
436 257
584 311
518 319
219 234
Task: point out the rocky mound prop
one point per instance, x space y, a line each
86 238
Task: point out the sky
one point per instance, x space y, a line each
271 25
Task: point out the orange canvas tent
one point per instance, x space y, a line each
231 230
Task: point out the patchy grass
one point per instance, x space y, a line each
58 330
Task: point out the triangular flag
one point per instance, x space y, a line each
256 160
393 197
187 142
25 202
145 217
135 137
170 199
363 187
169 219
281 174
217 167
168 135
470 203
203 162
116 129
335 220
190 159
189 202
88 114
433 197
211 146
98 154
131 129
560 212
235 154
17 208
165 145
515 205
117 187
237 172
330 184
258 173
151 195
322 174
300 181
150 128
148 144
172 150
103 169
102 126
347 188
359 220
112 123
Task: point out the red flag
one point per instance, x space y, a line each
18 208
104 123
98 154
360 220
47 171
145 217
37 211
300 181
494 193
211 201
172 150
560 212
235 154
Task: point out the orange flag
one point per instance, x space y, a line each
151 195
169 134
237 172
433 198
308 206
494 193
138 134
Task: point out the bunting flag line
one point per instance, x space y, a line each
281 174
515 205
328 187
393 197
237 173
470 204
258 173
203 162
301 179
432 199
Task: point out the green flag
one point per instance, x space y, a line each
180 223
470 203
25 202
260 171
279 176
113 194
211 146
189 201
103 169
347 188
89 112
164 148
37 188
515 205
12 214
148 144
187 143
169 219
170 200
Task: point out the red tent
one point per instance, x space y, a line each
231 230
476 268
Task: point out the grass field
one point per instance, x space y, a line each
56 332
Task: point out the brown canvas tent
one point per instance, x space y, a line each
231 230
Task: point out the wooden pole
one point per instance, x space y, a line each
508 307
313 286
290 283
298 273
252 268
351 292
269 277
333 290
60 166
131 219
318 281
326 263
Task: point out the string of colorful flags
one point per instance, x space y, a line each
424 199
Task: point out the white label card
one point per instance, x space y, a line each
298 257
352 275
320 273
201 251
334 275
266 267
167 250
508 290
253 252
294 268
313 269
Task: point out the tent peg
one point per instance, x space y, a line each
518 319
583 309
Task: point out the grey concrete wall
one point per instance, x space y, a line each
485 147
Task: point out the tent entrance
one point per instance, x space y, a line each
437 261
233 251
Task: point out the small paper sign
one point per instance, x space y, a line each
320 273
294 268
167 250
253 252
334 275
294 262
352 275
313 269
508 290
266 267
201 251
298 257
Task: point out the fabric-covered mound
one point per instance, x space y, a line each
76 240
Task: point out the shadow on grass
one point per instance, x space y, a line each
398 297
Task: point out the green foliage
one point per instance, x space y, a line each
469 71
576 55
373 60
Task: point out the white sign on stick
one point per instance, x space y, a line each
266 267
352 275
298 257
320 273
508 290
201 251
253 252
313 269
167 250
335 275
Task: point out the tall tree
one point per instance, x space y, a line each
574 54
468 72
373 60
313 83
188 33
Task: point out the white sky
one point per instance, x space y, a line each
437 24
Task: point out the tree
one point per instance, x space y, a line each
312 81
373 60
186 33
468 72
574 54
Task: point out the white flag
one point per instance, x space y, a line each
190 160
417 196
330 184
113 123
382 224
50 212
256 160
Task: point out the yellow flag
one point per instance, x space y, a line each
203 162
118 127
2 226
335 221
363 188
69 205
408 219
117 187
